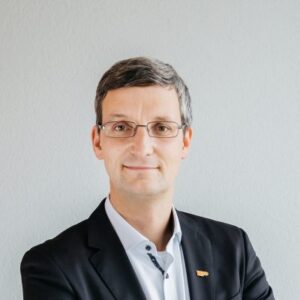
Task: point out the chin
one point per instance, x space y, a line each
142 185
145 190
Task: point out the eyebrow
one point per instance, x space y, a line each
157 118
117 116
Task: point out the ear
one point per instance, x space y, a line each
96 142
186 142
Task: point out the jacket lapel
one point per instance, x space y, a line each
110 260
197 254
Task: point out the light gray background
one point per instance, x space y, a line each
239 58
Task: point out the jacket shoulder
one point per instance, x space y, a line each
65 247
209 227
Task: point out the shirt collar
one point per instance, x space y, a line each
128 235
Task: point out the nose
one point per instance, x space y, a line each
142 143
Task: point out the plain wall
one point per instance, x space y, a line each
241 62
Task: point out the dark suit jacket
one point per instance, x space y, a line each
88 262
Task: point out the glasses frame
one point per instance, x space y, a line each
102 127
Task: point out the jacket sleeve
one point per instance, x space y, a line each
255 283
42 279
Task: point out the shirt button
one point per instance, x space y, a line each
167 276
148 247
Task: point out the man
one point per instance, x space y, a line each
135 245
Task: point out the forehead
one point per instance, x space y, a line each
141 103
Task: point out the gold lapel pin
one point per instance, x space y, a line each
201 273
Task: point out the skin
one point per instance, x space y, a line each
142 169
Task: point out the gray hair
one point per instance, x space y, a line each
143 71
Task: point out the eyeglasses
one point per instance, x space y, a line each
125 129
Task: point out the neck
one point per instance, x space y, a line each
151 216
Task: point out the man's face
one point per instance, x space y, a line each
141 165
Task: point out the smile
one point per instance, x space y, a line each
140 168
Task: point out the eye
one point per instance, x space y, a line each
121 126
161 127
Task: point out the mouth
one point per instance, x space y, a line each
140 168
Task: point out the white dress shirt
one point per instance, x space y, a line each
167 279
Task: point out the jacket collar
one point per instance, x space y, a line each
113 266
197 252
110 259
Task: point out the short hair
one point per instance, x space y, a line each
143 71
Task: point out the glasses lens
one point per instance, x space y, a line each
119 129
163 129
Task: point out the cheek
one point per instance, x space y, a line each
110 157
172 154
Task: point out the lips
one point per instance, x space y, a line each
139 168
